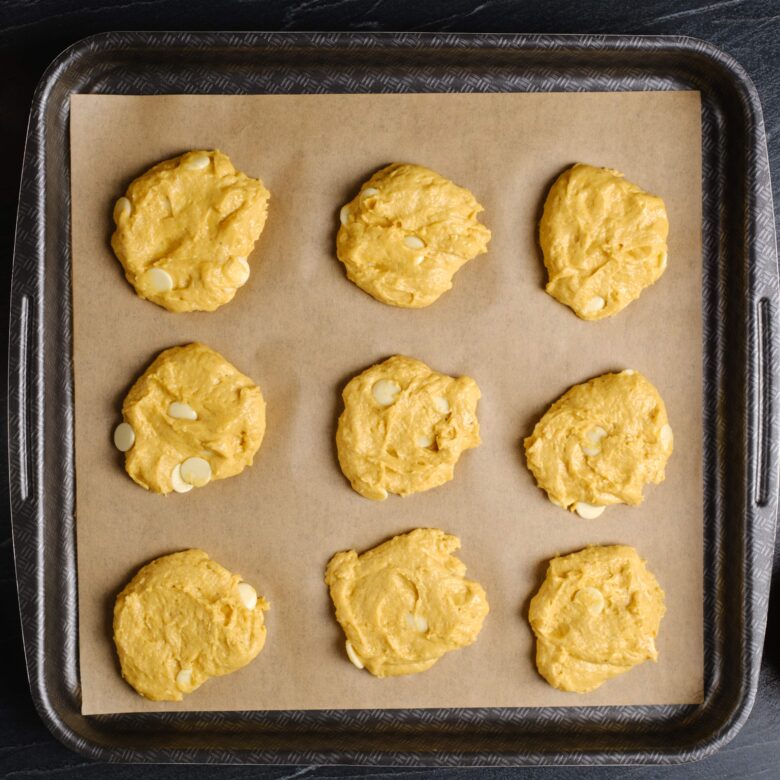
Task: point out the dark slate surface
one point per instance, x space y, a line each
32 32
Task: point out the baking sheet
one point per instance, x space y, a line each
301 330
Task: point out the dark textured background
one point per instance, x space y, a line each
32 32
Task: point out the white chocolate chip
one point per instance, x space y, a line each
595 435
243 272
196 471
248 595
419 260
353 656
666 436
182 411
368 191
123 208
413 242
179 485
197 162
628 372
588 511
124 437
424 441
416 622
184 679
591 599
160 281
344 215
385 392
596 303
442 404
662 262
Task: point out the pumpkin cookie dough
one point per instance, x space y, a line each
603 239
404 426
185 228
405 603
406 234
182 619
596 616
600 443
190 418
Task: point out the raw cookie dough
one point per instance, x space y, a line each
603 239
185 228
405 603
406 234
600 443
190 418
596 616
404 427
182 619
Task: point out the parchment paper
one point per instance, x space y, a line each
301 330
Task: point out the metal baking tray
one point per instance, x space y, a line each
740 297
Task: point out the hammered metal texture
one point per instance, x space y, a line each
740 298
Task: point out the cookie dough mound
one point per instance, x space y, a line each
190 418
603 239
406 234
185 228
182 619
405 603
404 426
596 616
600 443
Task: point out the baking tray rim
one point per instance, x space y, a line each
734 717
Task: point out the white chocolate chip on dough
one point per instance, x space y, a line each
591 599
196 471
124 437
442 404
353 656
666 436
184 679
248 595
416 622
160 281
594 436
344 215
424 441
123 208
588 511
182 411
179 485
369 191
628 372
197 162
596 303
413 242
243 264
385 392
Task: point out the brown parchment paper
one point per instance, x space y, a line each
301 330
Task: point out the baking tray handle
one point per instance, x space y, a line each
765 310
765 425
19 378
